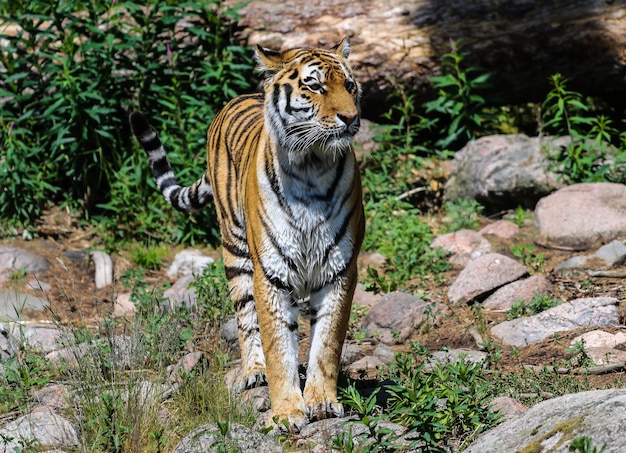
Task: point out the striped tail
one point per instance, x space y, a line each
189 198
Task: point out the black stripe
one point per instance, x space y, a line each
235 250
287 259
240 303
233 272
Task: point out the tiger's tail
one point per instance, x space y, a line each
182 198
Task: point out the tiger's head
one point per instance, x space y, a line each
311 99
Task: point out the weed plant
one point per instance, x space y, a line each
71 74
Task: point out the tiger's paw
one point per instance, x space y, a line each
288 423
237 381
324 409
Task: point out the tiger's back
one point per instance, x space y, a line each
287 191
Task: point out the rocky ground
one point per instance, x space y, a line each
571 249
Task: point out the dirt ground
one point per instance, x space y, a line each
74 299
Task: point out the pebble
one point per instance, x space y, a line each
525 290
483 275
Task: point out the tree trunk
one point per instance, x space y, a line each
522 42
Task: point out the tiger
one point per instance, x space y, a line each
285 182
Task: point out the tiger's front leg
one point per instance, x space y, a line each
330 308
278 320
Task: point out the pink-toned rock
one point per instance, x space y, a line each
185 365
123 307
484 274
587 312
504 298
507 406
501 228
600 339
463 246
606 356
365 298
397 315
581 215
365 366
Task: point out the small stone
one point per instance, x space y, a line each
123 307
397 315
600 338
613 253
188 262
463 245
455 355
507 406
181 294
229 331
104 269
349 354
483 275
505 297
501 228
385 353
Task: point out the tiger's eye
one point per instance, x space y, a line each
349 84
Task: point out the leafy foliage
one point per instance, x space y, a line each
444 404
397 232
71 74
590 156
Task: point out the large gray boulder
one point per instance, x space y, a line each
503 171
552 425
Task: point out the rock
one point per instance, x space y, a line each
123 307
208 438
230 331
613 253
610 255
13 305
501 228
40 428
181 294
9 345
364 368
483 275
385 353
600 338
185 365
318 434
582 215
35 338
503 298
104 269
453 356
365 299
552 425
606 356
524 43
258 397
507 406
51 396
14 259
502 171
37 285
591 312
463 246
188 262
349 353
397 316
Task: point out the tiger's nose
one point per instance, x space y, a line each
348 118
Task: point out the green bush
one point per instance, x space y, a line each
72 73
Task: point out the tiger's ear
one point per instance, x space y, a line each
343 48
268 61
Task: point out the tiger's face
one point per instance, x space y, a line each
312 100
